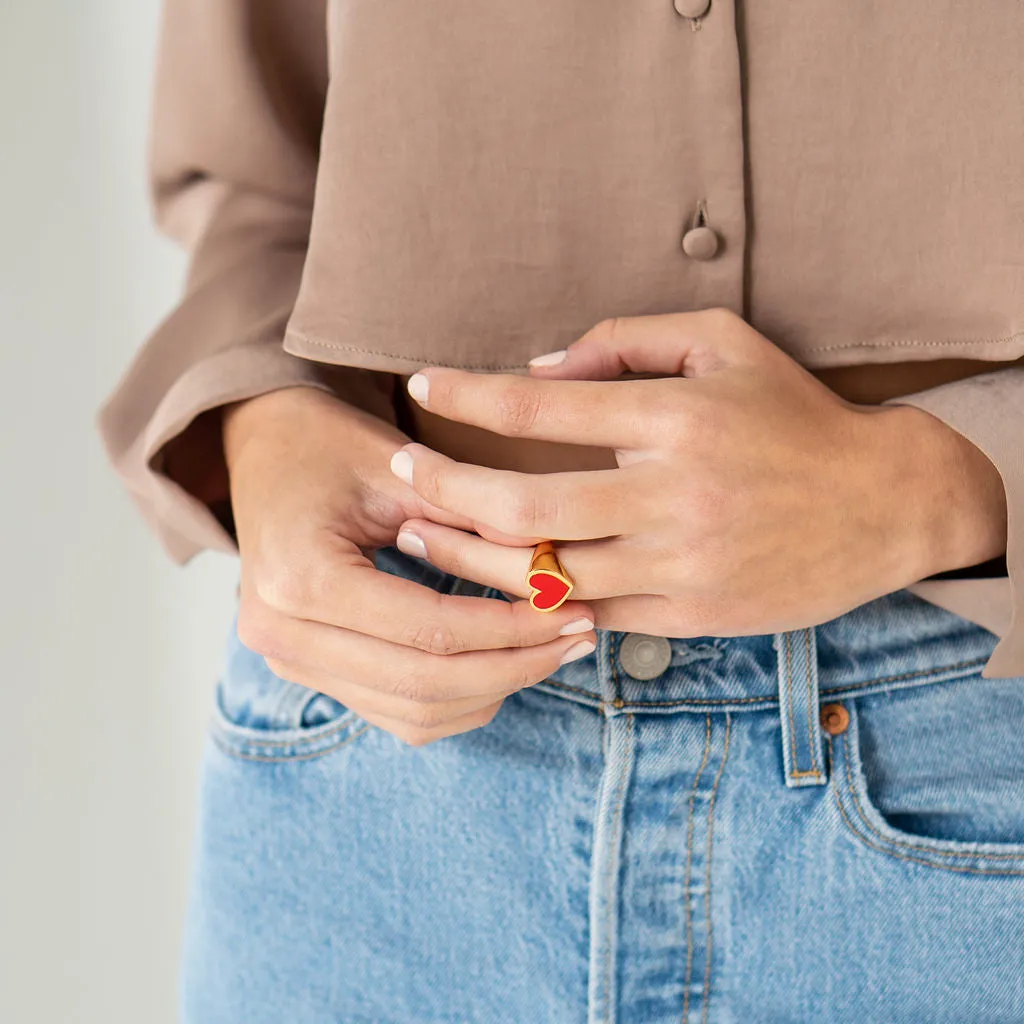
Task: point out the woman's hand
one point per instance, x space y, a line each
312 497
749 497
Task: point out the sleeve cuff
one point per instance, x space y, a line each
184 524
988 410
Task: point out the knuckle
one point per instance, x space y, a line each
411 686
607 331
279 668
719 317
285 590
426 716
524 512
518 409
257 632
435 638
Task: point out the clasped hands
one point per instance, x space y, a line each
748 497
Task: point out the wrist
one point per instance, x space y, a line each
947 492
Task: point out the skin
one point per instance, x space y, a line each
313 496
748 498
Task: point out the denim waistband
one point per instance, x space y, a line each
895 641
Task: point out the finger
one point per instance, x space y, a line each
663 616
598 413
368 701
418 736
325 653
343 588
572 505
599 569
676 344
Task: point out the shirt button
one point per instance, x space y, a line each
692 8
643 656
834 719
700 243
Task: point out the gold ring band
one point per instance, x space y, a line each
550 584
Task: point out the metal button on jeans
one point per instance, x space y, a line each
644 656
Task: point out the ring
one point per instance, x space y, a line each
550 584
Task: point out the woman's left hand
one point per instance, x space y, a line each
748 498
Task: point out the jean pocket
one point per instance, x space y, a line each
935 775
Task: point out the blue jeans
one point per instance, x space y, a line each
820 825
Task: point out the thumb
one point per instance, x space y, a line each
673 344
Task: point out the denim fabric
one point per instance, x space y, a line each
691 848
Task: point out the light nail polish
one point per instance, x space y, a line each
549 358
418 386
577 651
401 466
580 625
411 543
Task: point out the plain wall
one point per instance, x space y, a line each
109 651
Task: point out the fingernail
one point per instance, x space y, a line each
580 650
411 543
401 466
550 358
418 386
580 625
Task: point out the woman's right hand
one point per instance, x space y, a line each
313 496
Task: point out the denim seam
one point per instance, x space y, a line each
772 701
707 881
613 864
285 758
689 865
930 863
917 847
227 727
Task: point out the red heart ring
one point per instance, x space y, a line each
549 590
550 584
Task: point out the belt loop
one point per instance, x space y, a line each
802 755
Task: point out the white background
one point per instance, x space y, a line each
109 651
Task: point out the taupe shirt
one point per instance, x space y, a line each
368 188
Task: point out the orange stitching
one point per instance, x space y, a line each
913 846
689 864
283 759
812 704
938 865
707 880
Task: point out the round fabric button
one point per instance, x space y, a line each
834 719
692 8
643 656
700 243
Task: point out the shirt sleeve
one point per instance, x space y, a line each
988 410
237 109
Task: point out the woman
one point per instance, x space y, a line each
726 301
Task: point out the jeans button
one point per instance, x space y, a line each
644 656
834 719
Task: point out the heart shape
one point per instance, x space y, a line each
549 589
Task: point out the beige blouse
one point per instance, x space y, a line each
366 188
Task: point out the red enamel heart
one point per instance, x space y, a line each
549 591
